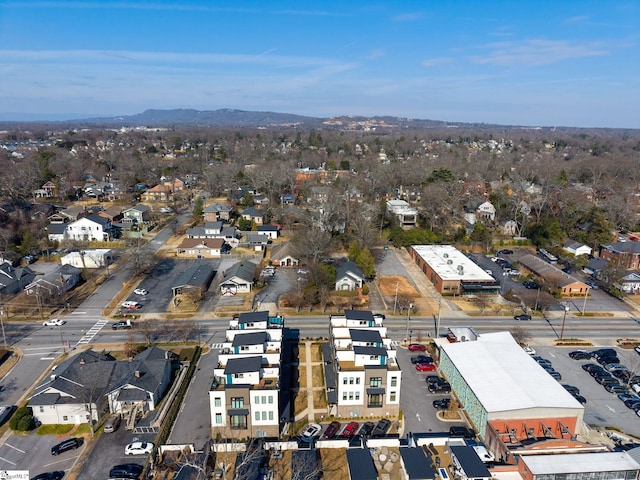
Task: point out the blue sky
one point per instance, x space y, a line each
572 63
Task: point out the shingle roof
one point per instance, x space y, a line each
196 276
254 338
243 365
253 317
211 243
623 247
349 267
243 270
360 335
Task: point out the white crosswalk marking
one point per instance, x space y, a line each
92 332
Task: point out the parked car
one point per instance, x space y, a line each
605 360
433 379
541 361
332 430
529 350
425 367
580 355
312 430
421 359
592 368
123 325
126 470
5 412
603 351
112 424
366 429
440 387
65 445
522 317
381 428
441 403
505 251
592 284
141 291
637 350
54 322
464 432
350 430
625 397
571 389
607 379
555 374
530 285
417 347
166 210
616 389
138 448
580 398
49 476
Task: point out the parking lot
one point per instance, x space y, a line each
17 453
602 408
416 402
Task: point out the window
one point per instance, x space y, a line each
344 395
218 419
357 380
270 398
375 400
264 415
237 402
374 357
244 348
375 382
257 400
238 375
238 422
271 415
264 399
257 415
345 380
357 395
65 418
41 409
218 402
350 380
394 381
392 396
350 395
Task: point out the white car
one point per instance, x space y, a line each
131 305
140 291
138 448
312 430
54 322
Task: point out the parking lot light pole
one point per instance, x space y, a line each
4 338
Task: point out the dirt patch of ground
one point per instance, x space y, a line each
388 286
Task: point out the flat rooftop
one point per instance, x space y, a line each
451 264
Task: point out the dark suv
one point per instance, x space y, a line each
68 444
126 470
462 432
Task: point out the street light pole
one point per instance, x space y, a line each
564 318
64 348
408 319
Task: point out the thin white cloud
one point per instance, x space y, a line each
536 52
578 19
408 17
376 53
434 62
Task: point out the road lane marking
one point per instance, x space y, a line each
47 358
8 461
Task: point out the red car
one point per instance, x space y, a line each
416 347
425 367
332 430
350 429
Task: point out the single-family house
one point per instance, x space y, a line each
113 213
13 280
349 276
200 248
406 214
629 283
197 279
138 214
57 232
269 230
257 241
217 211
282 255
238 278
90 228
159 193
61 280
69 214
254 215
93 258
576 248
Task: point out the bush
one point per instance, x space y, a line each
365 289
22 420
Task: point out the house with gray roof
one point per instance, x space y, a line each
13 280
623 254
238 278
196 278
282 255
217 211
349 276
90 384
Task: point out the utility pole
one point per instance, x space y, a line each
564 318
438 319
395 302
4 338
584 305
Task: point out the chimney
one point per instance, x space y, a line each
137 373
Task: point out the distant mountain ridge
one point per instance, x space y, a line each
224 117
